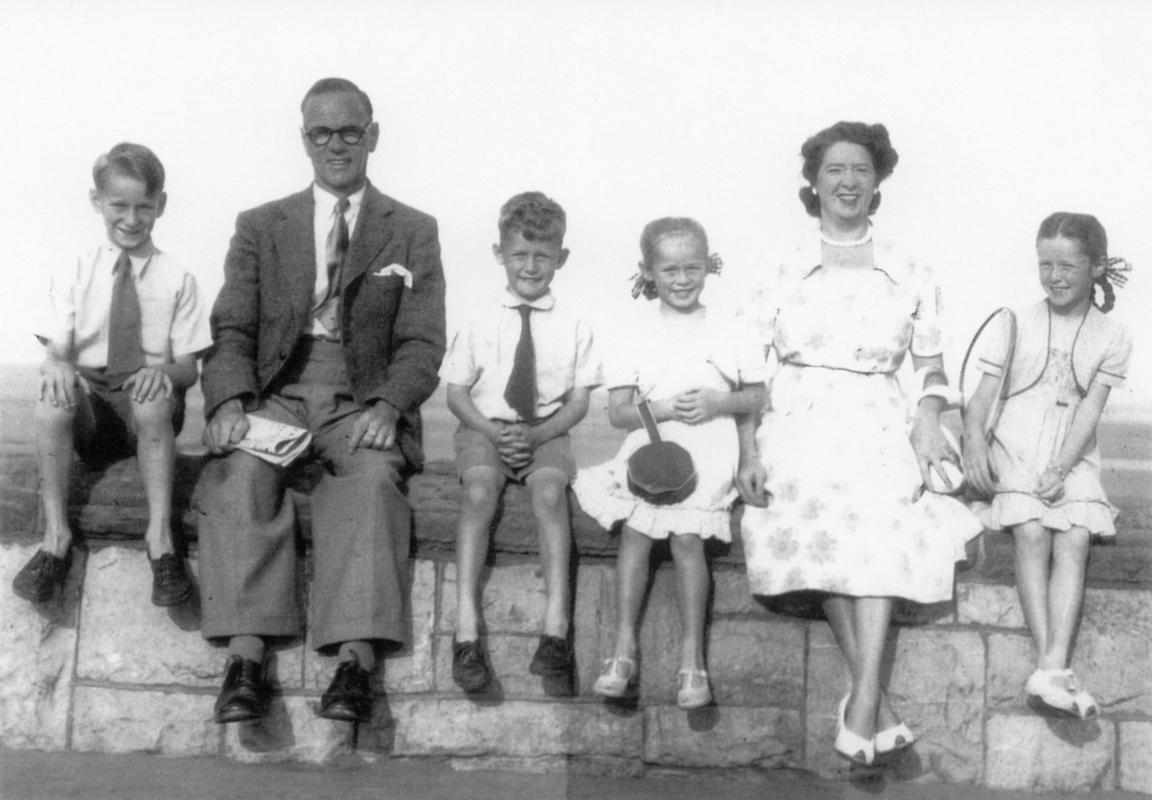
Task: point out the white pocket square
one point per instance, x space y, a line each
395 269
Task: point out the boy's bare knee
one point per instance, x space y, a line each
152 416
549 490
481 488
54 418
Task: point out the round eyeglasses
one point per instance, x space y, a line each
351 134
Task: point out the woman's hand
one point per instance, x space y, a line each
928 441
698 405
750 480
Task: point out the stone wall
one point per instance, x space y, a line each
100 669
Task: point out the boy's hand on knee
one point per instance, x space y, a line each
59 383
148 383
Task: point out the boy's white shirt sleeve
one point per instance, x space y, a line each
588 372
459 365
55 321
190 331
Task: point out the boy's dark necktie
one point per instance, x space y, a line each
125 349
521 389
328 310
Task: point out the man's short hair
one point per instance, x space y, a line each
535 216
337 86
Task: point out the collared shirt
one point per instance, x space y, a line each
481 354
173 317
323 215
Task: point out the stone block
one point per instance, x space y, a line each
723 736
404 670
37 656
19 494
291 731
593 621
992 604
126 639
1011 659
106 720
1114 648
1032 752
906 612
935 683
450 727
512 599
757 662
562 767
730 595
1136 756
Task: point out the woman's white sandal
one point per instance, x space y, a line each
692 688
616 677
1058 689
849 745
894 739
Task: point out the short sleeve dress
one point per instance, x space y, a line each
1056 359
664 354
847 513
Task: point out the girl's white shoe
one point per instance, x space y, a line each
849 745
1059 690
692 688
617 676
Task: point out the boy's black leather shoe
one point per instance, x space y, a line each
38 579
469 666
171 584
244 695
349 696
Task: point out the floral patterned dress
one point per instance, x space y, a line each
847 512
668 353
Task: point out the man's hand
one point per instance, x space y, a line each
375 429
147 383
228 426
59 383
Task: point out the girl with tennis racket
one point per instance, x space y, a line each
1044 375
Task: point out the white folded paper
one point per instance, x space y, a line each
275 442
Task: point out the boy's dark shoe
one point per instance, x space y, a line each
349 696
244 695
553 657
470 667
171 584
38 579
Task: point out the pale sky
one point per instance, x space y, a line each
623 111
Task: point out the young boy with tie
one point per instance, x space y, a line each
518 375
122 331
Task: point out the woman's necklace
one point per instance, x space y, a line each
867 237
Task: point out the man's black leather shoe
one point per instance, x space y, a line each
349 696
243 696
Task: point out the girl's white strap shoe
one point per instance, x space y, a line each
692 688
616 677
1058 689
849 745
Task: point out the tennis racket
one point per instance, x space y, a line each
989 353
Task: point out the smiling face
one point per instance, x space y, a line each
128 211
1066 274
845 183
678 271
339 167
529 264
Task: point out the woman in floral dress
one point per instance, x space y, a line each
834 476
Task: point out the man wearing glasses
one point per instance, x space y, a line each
331 319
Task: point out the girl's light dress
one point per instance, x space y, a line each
1045 392
847 513
667 353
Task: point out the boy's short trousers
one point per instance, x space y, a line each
474 450
106 435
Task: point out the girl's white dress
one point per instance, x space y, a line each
665 354
847 513
1045 392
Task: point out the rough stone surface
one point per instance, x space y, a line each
1031 752
37 657
119 721
19 498
1011 659
512 599
126 639
757 662
405 670
730 594
992 604
290 732
1113 650
463 728
722 736
1136 756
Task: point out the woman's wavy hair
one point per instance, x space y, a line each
873 138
